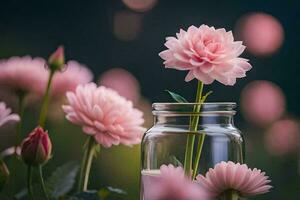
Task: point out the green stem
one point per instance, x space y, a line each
198 155
21 107
45 101
40 169
188 161
86 164
229 195
29 182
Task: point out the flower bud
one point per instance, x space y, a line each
57 59
4 174
36 148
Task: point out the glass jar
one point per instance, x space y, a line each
167 141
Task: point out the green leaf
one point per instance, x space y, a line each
110 193
107 193
177 97
62 179
204 97
58 184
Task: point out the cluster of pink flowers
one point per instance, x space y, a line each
225 176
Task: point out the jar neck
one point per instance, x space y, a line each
185 120
205 113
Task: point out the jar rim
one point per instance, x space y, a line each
183 109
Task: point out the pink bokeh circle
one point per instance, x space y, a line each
262 33
262 102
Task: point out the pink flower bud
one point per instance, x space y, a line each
4 174
57 59
36 148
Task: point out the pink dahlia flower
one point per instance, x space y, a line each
69 79
6 115
24 74
231 176
207 53
104 114
172 184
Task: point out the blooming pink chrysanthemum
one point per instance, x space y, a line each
24 74
104 114
69 79
230 176
6 115
172 184
207 53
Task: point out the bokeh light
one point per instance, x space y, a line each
127 25
123 82
283 137
262 102
140 5
262 33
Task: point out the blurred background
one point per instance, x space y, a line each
119 41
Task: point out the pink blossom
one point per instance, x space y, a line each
262 102
283 137
263 33
104 114
172 184
6 115
231 176
207 53
123 82
36 148
24 74
57 60
69 79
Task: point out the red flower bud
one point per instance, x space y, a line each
4 174
36 148
57 59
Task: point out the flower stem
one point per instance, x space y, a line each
29 182
21 107
230 195
86 164
198 155
188 161
40 169
45 101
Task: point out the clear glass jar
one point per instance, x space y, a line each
166 142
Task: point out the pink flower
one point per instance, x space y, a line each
36 148
104 114
231 176
69 79
283 137
24 74
6 115
207 53
57 60
263 33
262 102
123 82
172 184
